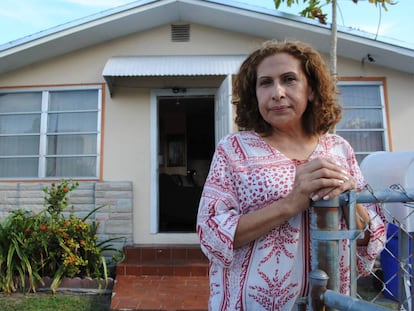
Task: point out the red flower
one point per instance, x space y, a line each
65 189
43 227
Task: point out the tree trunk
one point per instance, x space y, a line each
334 43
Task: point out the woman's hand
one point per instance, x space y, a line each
322 179
333 180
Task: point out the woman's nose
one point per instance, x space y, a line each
277 91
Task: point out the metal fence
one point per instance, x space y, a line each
389 285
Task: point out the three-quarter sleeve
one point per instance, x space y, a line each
218 213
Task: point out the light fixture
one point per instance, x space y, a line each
177 90
368 58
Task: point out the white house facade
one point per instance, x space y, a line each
131 102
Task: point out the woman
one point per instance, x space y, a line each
253 218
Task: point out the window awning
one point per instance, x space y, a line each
172 65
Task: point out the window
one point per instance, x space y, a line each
363 122
50 133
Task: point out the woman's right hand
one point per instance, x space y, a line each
319 179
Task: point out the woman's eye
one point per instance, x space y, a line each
289 79
265 82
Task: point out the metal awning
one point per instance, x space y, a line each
171 65
182 65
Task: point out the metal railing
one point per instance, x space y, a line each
326 237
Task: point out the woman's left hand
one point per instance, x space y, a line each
329 193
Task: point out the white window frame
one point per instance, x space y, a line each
43 128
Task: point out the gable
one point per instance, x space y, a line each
209 52
229 16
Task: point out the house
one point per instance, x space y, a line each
130 102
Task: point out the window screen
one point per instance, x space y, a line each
363 122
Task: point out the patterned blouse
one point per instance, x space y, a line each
271 272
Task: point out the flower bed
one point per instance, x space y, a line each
48 244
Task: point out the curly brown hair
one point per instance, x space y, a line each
319 117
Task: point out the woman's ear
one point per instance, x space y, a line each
311 95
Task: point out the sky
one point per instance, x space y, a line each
20 18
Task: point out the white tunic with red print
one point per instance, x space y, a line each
271 272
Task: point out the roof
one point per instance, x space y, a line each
225 14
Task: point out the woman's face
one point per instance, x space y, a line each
282 91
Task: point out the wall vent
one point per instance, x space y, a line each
180 33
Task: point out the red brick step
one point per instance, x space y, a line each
173 260
161 277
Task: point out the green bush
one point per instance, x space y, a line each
33 246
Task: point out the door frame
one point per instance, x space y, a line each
155 94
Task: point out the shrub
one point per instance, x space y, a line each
49 244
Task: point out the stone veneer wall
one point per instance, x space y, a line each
115 218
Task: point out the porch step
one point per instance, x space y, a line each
161 277
162 260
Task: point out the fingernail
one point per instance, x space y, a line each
315 198
326 198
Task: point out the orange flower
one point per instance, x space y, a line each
65 189
27 230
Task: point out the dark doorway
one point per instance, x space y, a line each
186 146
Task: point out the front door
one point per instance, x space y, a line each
186 140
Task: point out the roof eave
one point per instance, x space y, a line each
143 15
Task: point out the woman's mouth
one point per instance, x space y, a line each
279 108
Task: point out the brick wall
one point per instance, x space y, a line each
114 218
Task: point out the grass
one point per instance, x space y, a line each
59 301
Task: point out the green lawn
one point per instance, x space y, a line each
59 301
